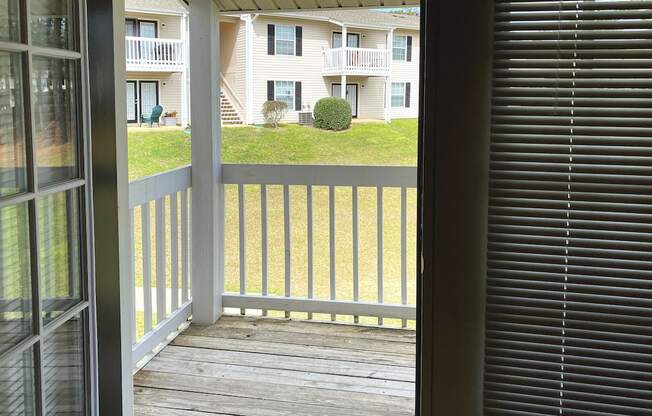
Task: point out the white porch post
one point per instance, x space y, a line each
344 60
185 108
343 87
249 68
207 190
388 78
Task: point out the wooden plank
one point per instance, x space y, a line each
356 250
282 377
174 251
320 175
380 405
159 219
284 362
303 339
331 244
288 243
147 266
263 243
296 350
242 406
242 242
323 329
143 410
309 244
158 186
404 250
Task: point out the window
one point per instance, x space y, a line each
284 91
400 46
285 38
398 94
569 270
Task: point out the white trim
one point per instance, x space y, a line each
294 40
159 334
151 188
337 22
394 37
294 91
249 68
404 94
154 11
293 304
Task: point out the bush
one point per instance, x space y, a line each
332 113
274 111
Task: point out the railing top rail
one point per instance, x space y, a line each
159 40
348 48
320 175
151 188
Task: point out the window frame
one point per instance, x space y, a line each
403 98
294 93
277 39
404 49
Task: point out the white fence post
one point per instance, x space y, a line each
207 190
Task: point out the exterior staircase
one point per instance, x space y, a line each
228 112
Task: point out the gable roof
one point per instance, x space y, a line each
360 18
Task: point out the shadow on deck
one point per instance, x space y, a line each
255 366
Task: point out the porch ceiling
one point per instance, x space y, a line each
271 5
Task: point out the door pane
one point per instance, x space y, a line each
59 252
353 40
53 23
55 119
12 139
131 28
148 97
337 40
15 287
352 98
147 29
131 101
17 385
336 90
63 370
9 20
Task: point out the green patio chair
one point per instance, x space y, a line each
153 117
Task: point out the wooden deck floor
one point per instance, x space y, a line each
255 367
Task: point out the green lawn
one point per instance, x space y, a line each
156 150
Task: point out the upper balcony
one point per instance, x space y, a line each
356 61
154 54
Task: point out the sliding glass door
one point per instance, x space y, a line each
45 322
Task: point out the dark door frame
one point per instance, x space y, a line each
357 35
140 94
136 95
137 23
357 94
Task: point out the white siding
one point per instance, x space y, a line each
403 71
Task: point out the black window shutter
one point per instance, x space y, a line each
298 34
271 42
297 96
407 94
569 264
270 90
409 49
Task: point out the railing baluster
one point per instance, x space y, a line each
161 288
331 243
132 307
242 242
356 264
288 243
174 251
184 246
263 241
404 250
379 210
309 243
147 266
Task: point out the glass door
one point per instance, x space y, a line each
45 322
132 102
148 97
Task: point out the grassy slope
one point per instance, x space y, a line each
156 150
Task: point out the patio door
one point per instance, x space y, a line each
351 95
46 348
148 96
132 102
352 40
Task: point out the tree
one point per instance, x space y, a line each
274 111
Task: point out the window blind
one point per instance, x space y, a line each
569 276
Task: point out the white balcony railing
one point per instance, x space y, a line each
295 226
154 54
356 61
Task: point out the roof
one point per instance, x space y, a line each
360 18
279 5
163 6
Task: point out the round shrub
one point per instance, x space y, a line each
332 113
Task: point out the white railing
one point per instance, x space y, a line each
154 54
160 260
356 61
360 214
